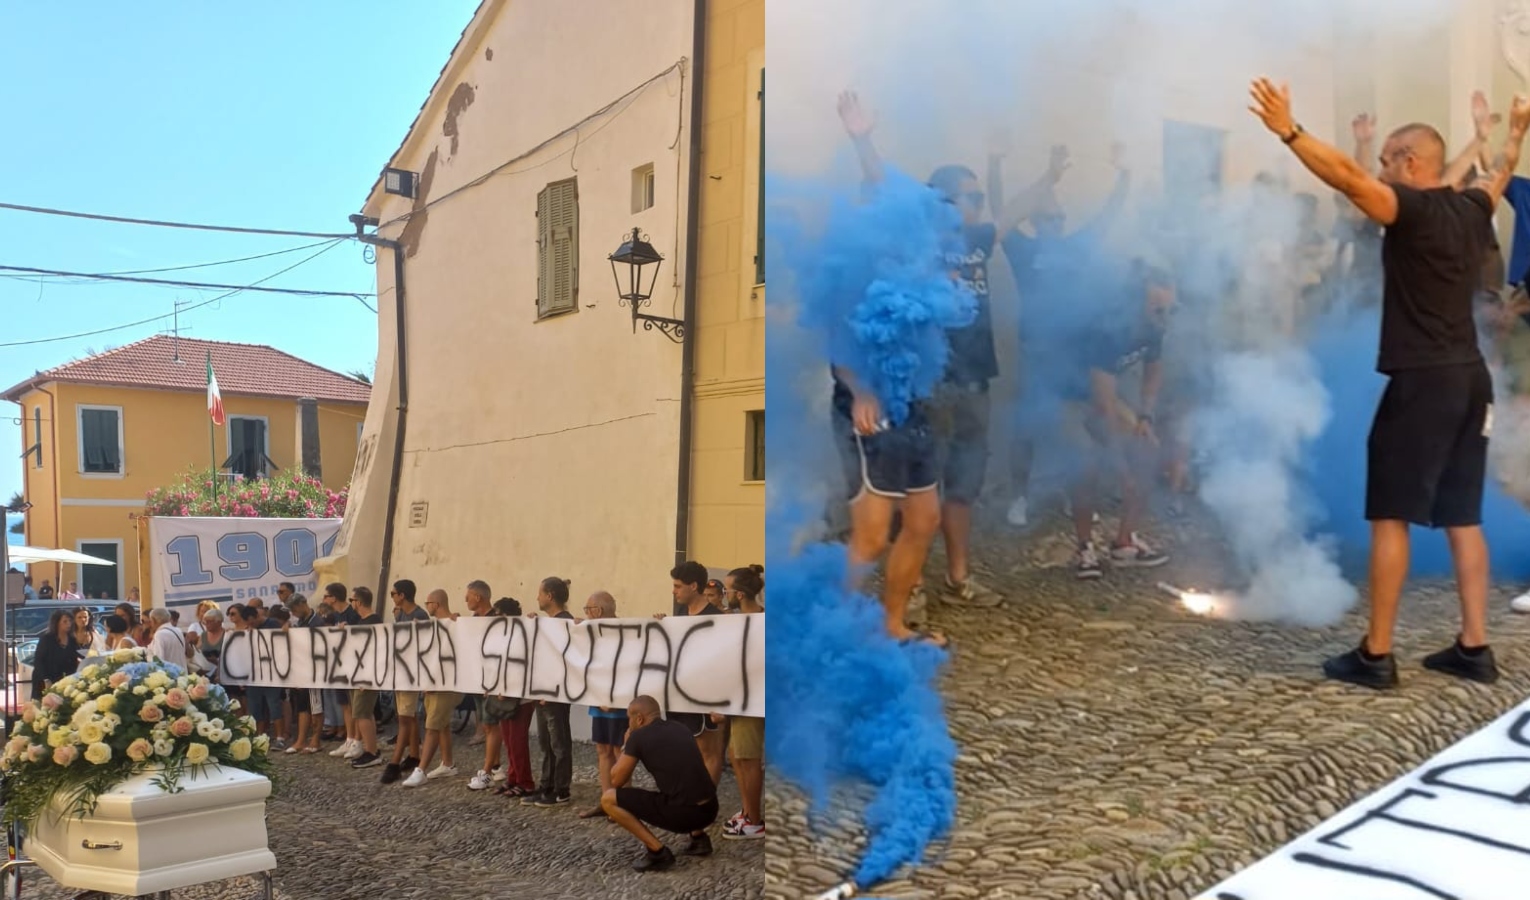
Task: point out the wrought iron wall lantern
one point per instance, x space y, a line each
632 258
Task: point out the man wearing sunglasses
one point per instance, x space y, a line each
1427 451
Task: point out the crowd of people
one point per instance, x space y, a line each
683 752
1114 346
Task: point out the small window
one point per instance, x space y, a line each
248 448
100 440
759 237
558 249
754 445
642 188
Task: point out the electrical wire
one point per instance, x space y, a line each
69 337
184 284
572 129
163 224
206 265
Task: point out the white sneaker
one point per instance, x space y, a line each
480 781
415 779
1521 604
442 771
355 751
498 774
343 748
1018 512
1137 554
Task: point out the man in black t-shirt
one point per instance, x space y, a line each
1427 453
686 801
944 441
554 733
1106 434
687 585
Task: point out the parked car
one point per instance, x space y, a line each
31 619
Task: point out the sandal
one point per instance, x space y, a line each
932 638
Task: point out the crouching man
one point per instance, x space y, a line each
686 801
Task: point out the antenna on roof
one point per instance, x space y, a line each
176 342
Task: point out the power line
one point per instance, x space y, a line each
163 224
69 337
221 262
185 284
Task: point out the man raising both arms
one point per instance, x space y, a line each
1426 458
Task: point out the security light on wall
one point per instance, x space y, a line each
400 182
630 259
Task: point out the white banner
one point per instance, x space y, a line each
687 663
232 560
1456 828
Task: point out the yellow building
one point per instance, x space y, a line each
727 521
527 426
101 433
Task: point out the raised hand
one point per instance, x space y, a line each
1483 118
858 122
1059 161
1364 127
1273 106
1519 115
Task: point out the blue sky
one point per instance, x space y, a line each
273 115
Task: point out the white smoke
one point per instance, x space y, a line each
1265 409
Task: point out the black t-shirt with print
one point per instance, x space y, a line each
1432 261
1113 351
973 359
418 614
669 753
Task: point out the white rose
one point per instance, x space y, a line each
98 753
240 749
197 754
225 736
140 690
110 722
247 723
262 743
164 747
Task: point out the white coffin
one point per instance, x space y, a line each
214 828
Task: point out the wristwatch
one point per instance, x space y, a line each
1296 131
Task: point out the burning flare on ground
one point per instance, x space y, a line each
1202 604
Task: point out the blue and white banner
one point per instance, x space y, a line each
1456 828
231 560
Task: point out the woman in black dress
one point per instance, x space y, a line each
57 653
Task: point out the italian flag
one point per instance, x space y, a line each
214 399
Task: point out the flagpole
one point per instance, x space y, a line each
212 439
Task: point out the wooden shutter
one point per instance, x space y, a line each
759 241
558 248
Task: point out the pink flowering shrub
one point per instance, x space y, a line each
286 495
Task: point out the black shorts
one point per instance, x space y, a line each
608 731
1426 460
892 463
655 809
959 417
698 723
300 705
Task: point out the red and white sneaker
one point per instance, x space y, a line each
743 830
737 818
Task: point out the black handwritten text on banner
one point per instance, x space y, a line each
688 663
1456 828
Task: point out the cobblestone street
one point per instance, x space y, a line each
339 835
1115 746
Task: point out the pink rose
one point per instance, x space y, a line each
52 701
183 727
36 752
150 713
28 714
118 679
175 698
65 755
139 750
199 692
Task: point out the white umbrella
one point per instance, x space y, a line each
27 555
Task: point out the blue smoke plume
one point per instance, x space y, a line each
863 284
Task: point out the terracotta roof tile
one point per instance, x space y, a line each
248 369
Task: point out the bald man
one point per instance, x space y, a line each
686 801
607 725
1427 454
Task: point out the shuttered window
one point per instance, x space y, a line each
558 248
100 441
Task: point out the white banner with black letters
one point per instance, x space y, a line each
231 560
687 663
1456 828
